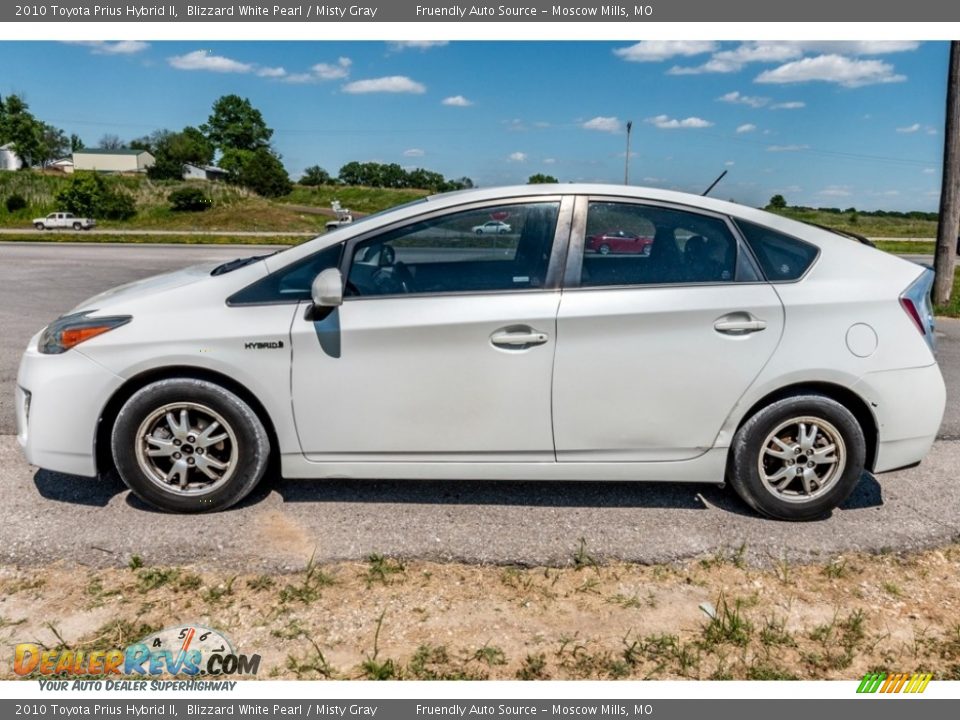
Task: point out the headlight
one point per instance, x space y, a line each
71 330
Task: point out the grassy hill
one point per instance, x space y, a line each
867 224
234 208
306 209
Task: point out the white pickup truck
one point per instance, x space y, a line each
63 221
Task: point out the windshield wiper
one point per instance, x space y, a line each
237 263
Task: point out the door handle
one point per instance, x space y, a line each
742 325
517 339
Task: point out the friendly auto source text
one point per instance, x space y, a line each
463 11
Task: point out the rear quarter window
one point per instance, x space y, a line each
781 257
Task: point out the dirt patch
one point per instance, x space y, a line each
715 618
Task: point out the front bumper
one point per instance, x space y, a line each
59 402
908 405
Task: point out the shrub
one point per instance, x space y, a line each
189 199
117 206
16 202
89 194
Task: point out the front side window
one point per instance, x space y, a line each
289 284
494 248
630 244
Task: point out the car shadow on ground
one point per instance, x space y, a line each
98 492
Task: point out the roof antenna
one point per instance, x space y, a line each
714 184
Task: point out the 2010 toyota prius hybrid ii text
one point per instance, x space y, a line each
745 347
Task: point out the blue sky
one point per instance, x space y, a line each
824 123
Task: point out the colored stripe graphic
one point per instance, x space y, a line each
894 683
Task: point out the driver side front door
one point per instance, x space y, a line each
443 347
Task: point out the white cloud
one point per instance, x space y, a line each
660 50
929 171
456 101
549 161
332 71
205 60
931 131
120 47
668 123
417 44
766 51
390 84
792 105
834 69
272 72
729 163
517 157
414 152
603 124
746 128
787 148
737 99
909 129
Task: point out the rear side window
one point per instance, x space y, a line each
781 257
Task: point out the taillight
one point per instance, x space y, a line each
915 301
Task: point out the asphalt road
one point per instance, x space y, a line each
49 517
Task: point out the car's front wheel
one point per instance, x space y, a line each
188 445
798 458
39 226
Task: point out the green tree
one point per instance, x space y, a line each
76 143
19 127
259 170
173 150
315 175
541 179
777 202
235 124
350 173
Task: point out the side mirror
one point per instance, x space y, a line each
327 289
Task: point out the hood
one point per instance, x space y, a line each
148 286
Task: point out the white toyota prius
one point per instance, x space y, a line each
743 347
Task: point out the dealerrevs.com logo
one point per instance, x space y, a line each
191 650
887 683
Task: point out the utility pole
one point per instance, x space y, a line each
945 260
626 161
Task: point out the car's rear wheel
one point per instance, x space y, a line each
604 249
38 226
187 445
77 226
798 458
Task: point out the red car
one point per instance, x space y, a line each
620 241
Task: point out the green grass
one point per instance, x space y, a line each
871 226
94 238
952 308
906 247
359 199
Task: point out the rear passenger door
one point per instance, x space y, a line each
653 351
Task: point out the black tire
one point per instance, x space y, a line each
39 226
251 441
604 249
744 469
77 226
479 232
